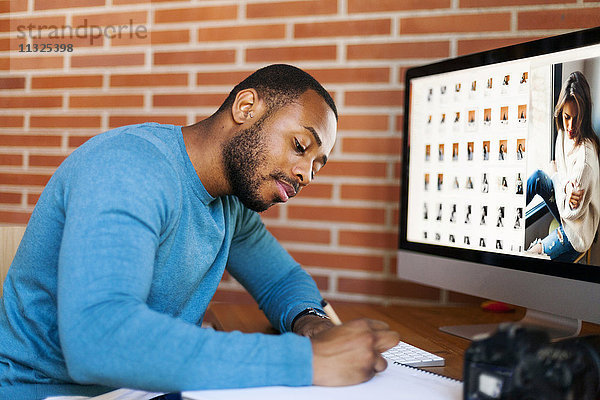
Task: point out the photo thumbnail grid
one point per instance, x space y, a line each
468 149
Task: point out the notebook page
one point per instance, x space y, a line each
401 381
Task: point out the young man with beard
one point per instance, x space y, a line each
132 234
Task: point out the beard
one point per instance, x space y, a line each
243 155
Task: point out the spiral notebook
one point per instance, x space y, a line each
399 381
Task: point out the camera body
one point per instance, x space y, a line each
519 362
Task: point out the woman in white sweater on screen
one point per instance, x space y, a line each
572 194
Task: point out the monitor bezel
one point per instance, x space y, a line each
529 49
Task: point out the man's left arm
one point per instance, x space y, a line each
283 290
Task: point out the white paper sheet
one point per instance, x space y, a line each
399 381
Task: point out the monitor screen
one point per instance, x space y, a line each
501 161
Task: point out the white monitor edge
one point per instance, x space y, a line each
555 295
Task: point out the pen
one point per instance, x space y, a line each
330 313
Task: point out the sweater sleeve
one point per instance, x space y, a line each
277 282
581 174
117 204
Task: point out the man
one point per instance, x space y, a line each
131 236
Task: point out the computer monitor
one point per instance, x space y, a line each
477 127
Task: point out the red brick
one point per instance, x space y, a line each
19 63
343 28
120 2
30 101
45 160
30 140
72 121
31 26
76 140
389 193
272 212
24 179
7 6
291 53
397 170
386 145
468 46
378 240
148 80
196 14
108 60
363 122
241 32
387 287
10 198
122 120
385 98
12 121
54 4
106 101
150 38
395 51
230 78
362 6
70 81
322 282
14 217
367 215
316 191
12 83
291 8
188 100
399 123
355 169
480 22
127 21
350 75
339 260
506 3
14 43
11 159
194 57
300 235
559 19
32 198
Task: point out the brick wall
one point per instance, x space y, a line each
174 61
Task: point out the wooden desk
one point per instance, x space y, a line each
416 325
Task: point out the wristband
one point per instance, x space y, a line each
309 311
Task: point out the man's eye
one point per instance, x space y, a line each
299 148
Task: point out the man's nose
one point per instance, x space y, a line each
303 173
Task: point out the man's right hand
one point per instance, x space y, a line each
349 354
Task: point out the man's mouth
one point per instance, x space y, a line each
286 191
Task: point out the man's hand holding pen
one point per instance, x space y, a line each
349 354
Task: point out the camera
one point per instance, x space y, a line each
519 362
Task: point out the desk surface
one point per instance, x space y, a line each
416 325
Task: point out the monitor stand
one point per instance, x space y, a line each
556 326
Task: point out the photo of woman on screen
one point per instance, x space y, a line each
572 192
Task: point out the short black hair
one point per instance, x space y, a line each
278 85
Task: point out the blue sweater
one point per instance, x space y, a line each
120 259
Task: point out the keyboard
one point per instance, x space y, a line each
407 354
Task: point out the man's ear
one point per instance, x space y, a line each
244 106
